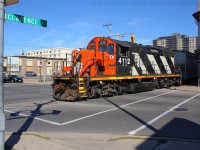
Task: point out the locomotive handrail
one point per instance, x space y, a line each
85 63
88 56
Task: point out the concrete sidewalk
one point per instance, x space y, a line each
37 81
187 88
81 141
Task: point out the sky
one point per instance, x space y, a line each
73 23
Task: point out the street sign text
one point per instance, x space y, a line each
26 20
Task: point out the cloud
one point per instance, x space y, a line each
139 21
145 41
82 26
42 37
80 42
59 43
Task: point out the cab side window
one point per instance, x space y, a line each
123 51
110 48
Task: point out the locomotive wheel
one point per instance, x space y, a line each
133 89
90 93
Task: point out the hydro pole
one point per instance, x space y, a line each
109 26
2 115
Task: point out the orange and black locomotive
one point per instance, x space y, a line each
110 67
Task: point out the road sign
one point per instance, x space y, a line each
10 2
26 20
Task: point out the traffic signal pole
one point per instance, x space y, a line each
2 115
197 51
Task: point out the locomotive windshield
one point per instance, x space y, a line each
102 48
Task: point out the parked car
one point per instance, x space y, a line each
30 74
14 78
5 78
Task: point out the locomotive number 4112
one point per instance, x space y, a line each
124 61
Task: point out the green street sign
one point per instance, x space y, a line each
26 20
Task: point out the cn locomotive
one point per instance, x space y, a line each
109 67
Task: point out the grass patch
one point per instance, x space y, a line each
44 137
33 134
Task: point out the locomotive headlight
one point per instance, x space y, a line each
67 72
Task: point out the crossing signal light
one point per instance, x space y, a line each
132 39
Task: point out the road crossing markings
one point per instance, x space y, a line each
89 116
161 115
36 118
102 112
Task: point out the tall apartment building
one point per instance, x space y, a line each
177 42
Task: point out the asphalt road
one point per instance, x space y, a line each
160 113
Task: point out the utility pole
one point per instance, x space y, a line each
10 66
109 26
40 65
44 67
2 115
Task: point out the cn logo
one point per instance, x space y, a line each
111 57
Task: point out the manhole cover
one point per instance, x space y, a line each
180 109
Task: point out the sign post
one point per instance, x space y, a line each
2 115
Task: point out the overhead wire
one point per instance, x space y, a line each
64 13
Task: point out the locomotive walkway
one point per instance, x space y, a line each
95 141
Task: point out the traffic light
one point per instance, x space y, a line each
132 39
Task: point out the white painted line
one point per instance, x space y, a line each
43 120
102 112
160 116
89 116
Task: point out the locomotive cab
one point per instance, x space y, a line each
104 58
112 57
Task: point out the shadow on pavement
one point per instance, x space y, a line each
178 129
133 116
15 137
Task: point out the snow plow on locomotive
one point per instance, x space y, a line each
110 67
